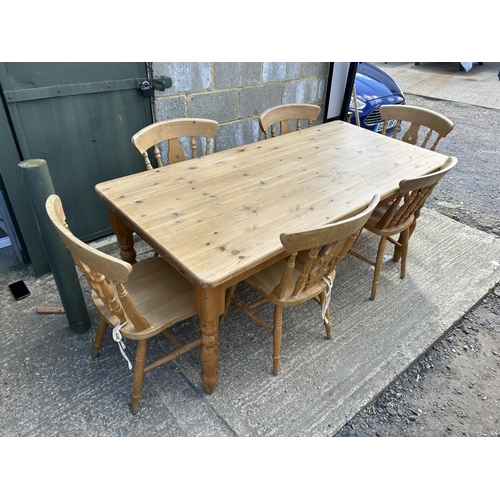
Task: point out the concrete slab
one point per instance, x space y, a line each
479 86
49 386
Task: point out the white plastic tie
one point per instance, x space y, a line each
326 303
117 337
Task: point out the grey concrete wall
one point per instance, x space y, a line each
235 93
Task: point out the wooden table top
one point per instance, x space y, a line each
219 216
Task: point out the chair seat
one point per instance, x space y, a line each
160 294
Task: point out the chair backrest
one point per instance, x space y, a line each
171 131
320 249
283 113
412 196
105 274
431 125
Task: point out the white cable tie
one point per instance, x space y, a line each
117 337
326 303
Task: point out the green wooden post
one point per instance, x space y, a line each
39 185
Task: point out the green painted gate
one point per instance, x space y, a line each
79 117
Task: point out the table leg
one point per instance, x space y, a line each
209 305
124 237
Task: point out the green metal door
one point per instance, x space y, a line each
79 117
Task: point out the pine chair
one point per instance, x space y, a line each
431 125
171 131
283 113
137 302
307 273
399 216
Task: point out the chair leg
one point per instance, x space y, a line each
99 336
140 358
277 329
378 266
405 235
327 322
397 250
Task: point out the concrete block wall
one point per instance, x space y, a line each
235 93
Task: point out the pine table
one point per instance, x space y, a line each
217 219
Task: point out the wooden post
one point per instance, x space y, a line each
38 183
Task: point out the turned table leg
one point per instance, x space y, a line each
209 305
124 237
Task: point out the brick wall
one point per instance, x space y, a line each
234 94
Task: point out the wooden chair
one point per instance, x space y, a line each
307 273
137 302
431 125
283 113
171 131
399 216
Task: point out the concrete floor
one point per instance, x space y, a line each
49 385
479 86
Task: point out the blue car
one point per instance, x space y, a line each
374 88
